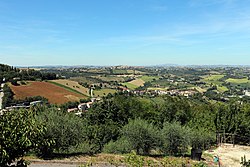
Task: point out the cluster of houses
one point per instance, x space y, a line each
25 105
83 107
176 92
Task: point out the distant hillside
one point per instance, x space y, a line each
10 73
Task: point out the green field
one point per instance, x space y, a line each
221 88
129 85
152 88
148 78
111 78
103 92
214 79
118 71
199 89
238 81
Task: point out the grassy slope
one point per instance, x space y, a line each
103 92
238 81
214 79
148 78
129 85
67 88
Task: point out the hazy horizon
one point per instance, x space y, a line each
118 32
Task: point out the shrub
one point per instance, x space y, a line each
175 138
120 146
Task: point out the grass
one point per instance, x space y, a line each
135 72
73 85
111 78
238 81
137 82
148 78
122 160
67 88
221 88
199 89
103 92
214 79
120 71
152 88
129 85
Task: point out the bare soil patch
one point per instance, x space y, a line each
55 94
231 156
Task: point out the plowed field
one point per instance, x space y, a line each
54 93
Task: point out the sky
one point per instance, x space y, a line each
124 32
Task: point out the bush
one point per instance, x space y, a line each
142 136
120 146
175 138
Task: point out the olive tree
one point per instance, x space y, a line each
175 138
141 135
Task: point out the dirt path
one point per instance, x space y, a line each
231 156
67 164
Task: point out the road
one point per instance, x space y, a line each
1 96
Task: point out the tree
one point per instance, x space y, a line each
66 129
142 136
20 133
8 96
175 138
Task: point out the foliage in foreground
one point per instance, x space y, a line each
20 133
66 129
138 135
176 138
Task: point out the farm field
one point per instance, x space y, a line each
88 80
129 85
73 85
214 79
199 89
221 88
103 92
148 78
118 71
137 82
238 81
54 94
152 88
135 72
111 78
